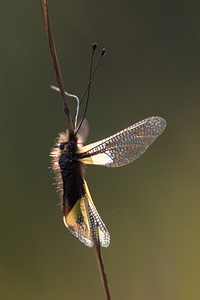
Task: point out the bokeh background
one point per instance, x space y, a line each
151 206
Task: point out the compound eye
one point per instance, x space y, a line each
62 145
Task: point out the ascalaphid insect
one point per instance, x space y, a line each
69 158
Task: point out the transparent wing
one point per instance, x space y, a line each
124 146
84 222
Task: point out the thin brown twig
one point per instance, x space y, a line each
104 280
56 66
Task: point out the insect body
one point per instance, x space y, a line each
69 158
79 213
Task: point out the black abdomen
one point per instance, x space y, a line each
73 184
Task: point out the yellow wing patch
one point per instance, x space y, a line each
100 159
84 222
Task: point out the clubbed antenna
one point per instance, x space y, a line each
91 75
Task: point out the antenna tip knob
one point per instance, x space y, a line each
94 46
103 52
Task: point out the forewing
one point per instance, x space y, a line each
124 146
84 222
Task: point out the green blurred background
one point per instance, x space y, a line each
151 207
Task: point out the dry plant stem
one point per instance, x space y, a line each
102 271
56 64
